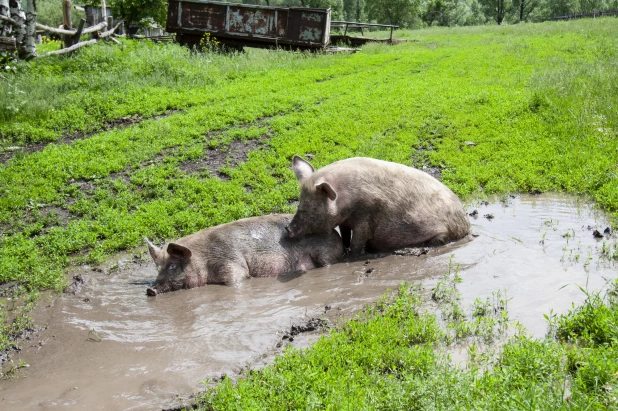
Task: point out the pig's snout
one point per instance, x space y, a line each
290 233
151 292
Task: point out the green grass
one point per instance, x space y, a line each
538 101
394 355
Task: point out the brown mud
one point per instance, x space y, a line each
111 347
227 156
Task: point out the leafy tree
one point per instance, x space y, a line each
587 6
476 16
496 9
525 7
136 10
400 12
336 6
561 7
354 10
438 12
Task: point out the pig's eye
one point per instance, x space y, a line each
172 266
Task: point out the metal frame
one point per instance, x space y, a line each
357 25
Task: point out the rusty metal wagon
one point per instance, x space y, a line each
239 25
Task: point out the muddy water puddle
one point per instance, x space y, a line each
145 352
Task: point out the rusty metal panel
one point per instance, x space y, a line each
172 15
257 25
282 23
308 25
203 16
311 26
252 21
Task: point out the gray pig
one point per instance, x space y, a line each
379 204
229 253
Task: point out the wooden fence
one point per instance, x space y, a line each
591 15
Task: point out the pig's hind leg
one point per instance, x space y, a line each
438 240
361 233
346 235
233 274
323 258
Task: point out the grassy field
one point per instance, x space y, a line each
109 145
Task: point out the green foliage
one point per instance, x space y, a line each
49 12
385 358
354 10
496 9
15 321
209 43
392 357
439 13
453 13
136 10
593 323
403 13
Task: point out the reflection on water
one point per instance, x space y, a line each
151 349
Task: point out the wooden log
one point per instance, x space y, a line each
54 30
74 47
67 24
78 33
110 32
87 30
7 44
11 21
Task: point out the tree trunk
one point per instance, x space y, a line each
104 12
500 12
28 52
5 28
522 4
17 14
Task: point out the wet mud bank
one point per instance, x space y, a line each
108 346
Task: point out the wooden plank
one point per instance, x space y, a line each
7 44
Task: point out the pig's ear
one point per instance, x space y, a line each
155 252
302 168
326 188
178 251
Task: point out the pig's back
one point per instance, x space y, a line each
391 183
402 199
261 243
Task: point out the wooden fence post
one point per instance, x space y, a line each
78 34
67 22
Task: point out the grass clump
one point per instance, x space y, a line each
368 363
15 323
394 356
